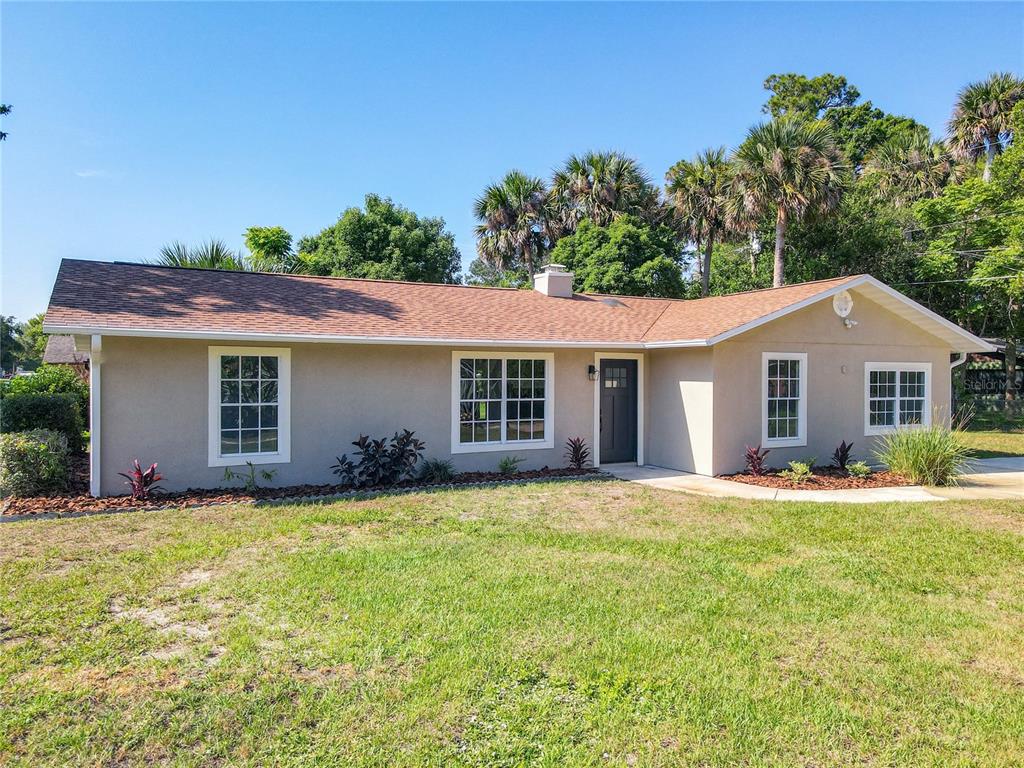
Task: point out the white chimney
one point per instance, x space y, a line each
554 281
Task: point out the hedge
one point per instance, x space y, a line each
58 412
33 463
50 380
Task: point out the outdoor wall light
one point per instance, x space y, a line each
592 372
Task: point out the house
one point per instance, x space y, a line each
200 369
61 350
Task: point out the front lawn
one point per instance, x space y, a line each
592 623
995 444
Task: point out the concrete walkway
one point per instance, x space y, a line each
986 479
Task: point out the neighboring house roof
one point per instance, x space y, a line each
146 300
60 350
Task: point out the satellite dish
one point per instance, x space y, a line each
842 303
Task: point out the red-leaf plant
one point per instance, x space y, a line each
142 482
755 459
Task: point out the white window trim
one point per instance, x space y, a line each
926 411
639 357
503 444
801 438
283 454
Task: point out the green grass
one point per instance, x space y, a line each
994 444
581 624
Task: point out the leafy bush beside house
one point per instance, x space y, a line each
50 380
58 412
33 463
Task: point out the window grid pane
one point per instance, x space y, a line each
783 399
896 397
524 396
480 400
249 388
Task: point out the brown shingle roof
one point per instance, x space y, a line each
91 296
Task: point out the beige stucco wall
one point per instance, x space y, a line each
835 378
154 407
680 400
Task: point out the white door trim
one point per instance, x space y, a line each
639 357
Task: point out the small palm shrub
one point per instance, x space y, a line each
932 455
754 458
858 469
380 462
437 471
509 465
841 457
33 463
799 471
577 453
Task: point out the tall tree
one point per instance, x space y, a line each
33 342
628 256
910 166
10 346
797 95
513 230
980 124
601 186
788 168
700 190
270 249
383 241
213 254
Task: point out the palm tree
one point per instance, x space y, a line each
700 191
980 124
789 167
601 186
213 254
513 228
910 166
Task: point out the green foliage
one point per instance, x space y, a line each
383 241
981 123
437 471
799 471
858 469
932 455
795 94
249 477
627 257
33 463
213 254
509 465
52 380
380 462
482 272
270 249
910 166
514 217
10 344
602 186
58 412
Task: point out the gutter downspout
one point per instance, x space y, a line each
95 416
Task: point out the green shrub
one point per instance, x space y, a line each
51 380
932 455
33 463
59 412
799 471
437 471
509 465
858 469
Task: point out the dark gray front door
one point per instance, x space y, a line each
618 410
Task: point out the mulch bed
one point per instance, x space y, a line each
78 501
823 479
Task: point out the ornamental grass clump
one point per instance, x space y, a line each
933 455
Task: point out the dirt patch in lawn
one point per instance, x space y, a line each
823 478
79 502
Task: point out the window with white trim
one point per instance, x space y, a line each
896 395
501 400
249 405
784 398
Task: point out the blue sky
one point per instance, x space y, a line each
135 125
